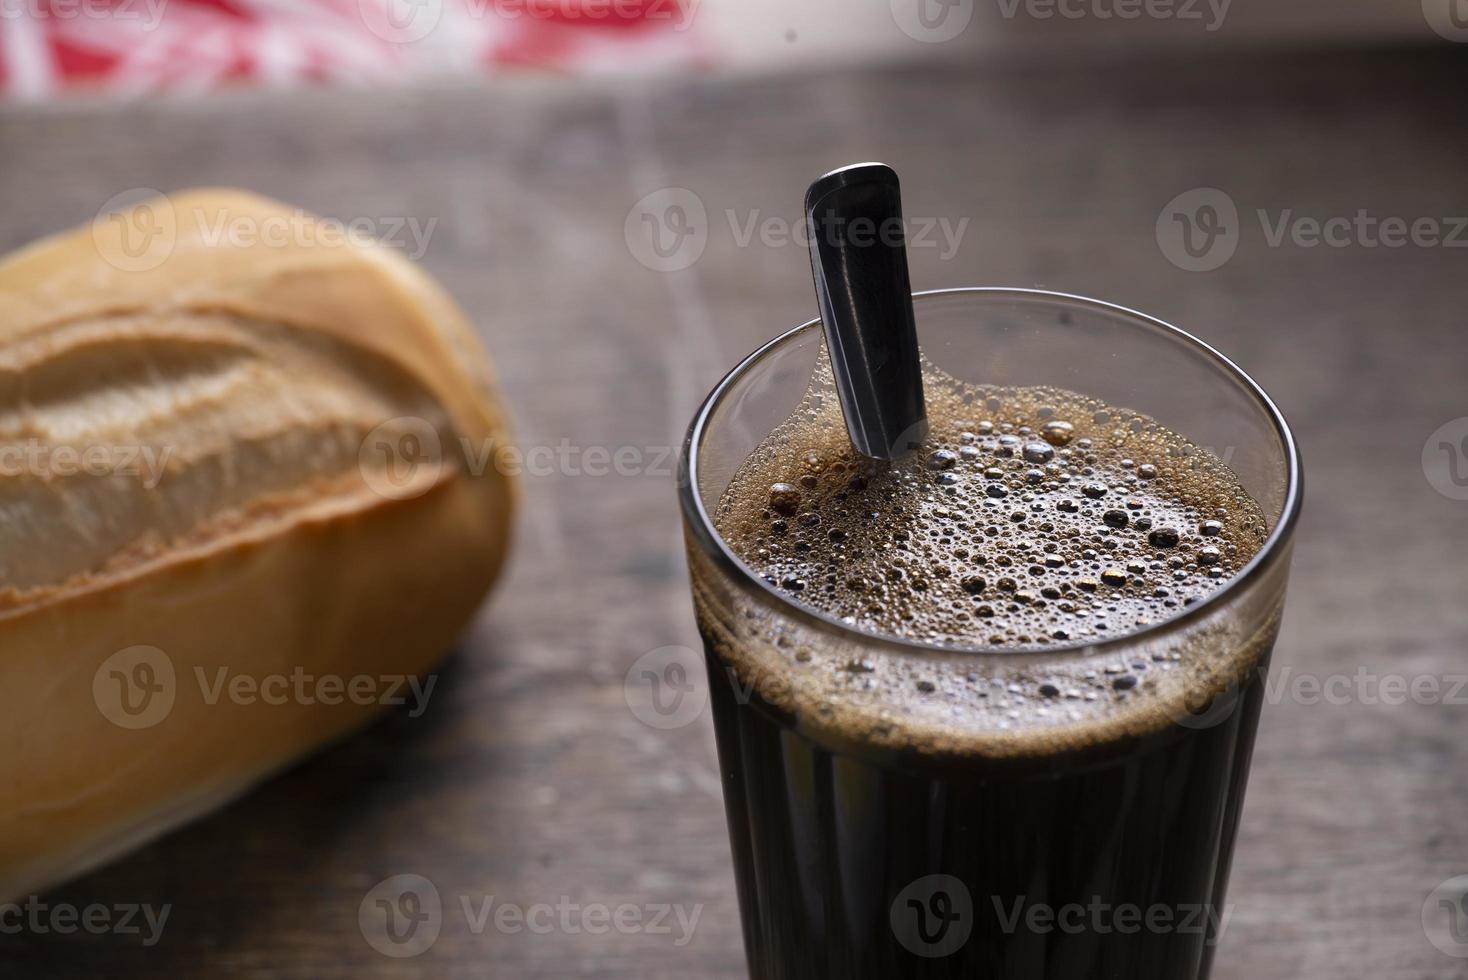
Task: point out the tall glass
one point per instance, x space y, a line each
979 854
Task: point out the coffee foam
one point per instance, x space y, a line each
1030 519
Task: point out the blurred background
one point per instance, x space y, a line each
143 47
609 188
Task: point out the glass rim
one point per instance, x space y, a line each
714 546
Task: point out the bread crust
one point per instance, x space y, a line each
280 536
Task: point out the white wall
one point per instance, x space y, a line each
752 34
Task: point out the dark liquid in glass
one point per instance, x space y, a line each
826 841
1001 817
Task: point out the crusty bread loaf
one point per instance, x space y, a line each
244 493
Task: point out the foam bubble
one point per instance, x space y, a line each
898 549
1031 518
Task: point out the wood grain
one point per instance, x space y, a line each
529 779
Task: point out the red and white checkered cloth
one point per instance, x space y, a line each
137 47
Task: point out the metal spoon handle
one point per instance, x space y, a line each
859 261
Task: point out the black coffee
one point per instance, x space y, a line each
1037 810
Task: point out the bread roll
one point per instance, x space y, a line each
245 491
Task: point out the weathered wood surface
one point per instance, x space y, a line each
529 779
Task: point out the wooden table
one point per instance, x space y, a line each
529 779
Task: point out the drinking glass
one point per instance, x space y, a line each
880 840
